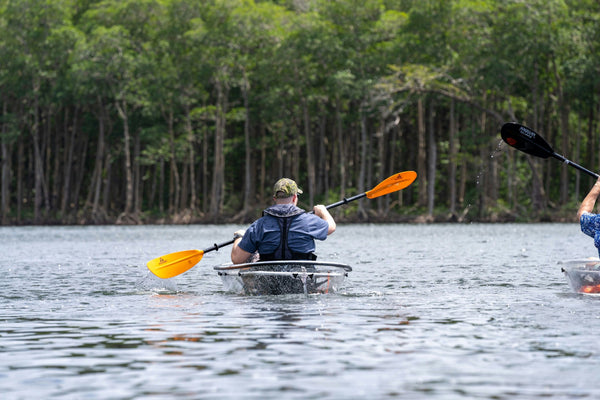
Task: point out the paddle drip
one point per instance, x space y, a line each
303 279
151 283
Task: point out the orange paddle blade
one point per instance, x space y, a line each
173 264
392 184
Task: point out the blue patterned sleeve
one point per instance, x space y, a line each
590 224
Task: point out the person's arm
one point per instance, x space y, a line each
587 205
322 212
238 255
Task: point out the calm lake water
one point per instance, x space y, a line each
479 311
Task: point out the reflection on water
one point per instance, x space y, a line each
429 311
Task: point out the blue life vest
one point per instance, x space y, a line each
283 252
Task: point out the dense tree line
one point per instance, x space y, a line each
135 111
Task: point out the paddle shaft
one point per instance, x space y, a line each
575 165
391 184
218 246
346 200
336 204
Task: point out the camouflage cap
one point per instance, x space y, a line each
284 188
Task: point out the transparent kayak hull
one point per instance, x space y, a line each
283 277
583 275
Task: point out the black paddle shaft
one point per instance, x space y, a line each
346 200
574 165
342 202
218 246
528 141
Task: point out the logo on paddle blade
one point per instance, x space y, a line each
526 132
162 261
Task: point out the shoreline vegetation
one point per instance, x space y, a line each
187 217
186 111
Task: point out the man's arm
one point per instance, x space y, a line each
238 255
322 212
587 205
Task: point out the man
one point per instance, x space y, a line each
285 231
590 223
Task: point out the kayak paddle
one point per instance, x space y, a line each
522 138
391 184
174 264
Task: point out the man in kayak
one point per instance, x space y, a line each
590 223
285 231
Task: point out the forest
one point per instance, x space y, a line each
187 111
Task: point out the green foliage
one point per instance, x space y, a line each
206 86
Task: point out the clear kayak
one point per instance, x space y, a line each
583 275
283 277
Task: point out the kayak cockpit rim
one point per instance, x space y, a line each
300 263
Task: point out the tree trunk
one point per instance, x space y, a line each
294 159
57 149
218 181
482 185
107 182
493 181
174 182
452 158
563 114
98 167
431 159
323 166
161 185
310 162
5 189
512 192
263 162
68 172
122 110
137 176
80 170
363 162
205 172
20 172
46 151
421 154
6 169
396 135
381 163
185 186
39 183
538 195
190 132
247 149
577 157
341 148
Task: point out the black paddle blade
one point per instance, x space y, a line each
522 138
